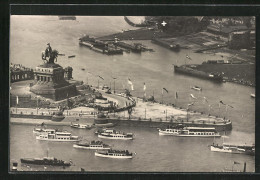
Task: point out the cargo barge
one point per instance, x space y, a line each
172 47
101 47
225 125
56 116
187 70
136 48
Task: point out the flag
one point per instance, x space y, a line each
236 162
176 95
193 96
17 100
101 77
144 87
188 57
165 90
131 84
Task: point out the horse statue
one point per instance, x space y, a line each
50 55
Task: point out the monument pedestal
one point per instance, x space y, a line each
49 82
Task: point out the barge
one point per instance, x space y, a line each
51 161
173 47
186 70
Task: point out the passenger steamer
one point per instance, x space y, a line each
92 145
116 154
235 149
58 136
190 132
116 135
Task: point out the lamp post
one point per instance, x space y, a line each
114 84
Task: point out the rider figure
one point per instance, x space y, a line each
48 51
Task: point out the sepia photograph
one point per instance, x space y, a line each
132 94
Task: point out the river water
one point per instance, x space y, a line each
29 36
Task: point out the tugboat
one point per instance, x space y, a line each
235 149
92 145
45 161
182 131
117 154
80 126
58 136
116 135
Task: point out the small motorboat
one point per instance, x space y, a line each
196 88
252 95
72 56
81 126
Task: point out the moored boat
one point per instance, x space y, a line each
58 136
190 131
45 161
81 126
92 145
252 95
116 154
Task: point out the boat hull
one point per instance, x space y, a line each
91 148
57 140
113 157
32 161
119 138
215 149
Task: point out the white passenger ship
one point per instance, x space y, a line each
92 145
58 136
234 148
190 132
116 154
116 135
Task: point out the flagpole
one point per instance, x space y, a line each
166 114
114 86
37 104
